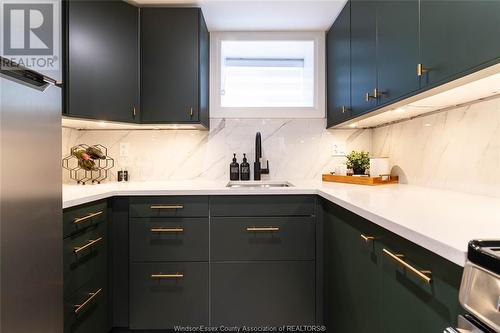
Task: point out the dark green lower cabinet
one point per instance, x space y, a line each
163 295
85 262
263 293
86 310
351 273
367 290
409 303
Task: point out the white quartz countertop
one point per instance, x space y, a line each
438 220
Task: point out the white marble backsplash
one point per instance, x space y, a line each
458 149
295 148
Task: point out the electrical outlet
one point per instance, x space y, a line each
339 149
124 148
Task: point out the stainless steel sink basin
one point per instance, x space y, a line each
258 184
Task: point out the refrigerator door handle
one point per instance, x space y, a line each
17 73
52 81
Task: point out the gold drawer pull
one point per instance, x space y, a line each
167 276
421 69
424 275
91 243
167 229
367 238
79 307
89 216
263 229
167 206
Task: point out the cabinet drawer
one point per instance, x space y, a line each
168 294
81 217
263 293
85 257
86 310
263 238
169 239
270 205
178 206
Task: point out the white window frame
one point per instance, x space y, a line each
317 111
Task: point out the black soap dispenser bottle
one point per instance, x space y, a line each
245 169
234 169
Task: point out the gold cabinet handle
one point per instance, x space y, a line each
169 230
421 69
191 112
85 218
167 276
91 243
167 206
134 111
263 229
424 275
79 307
345 109
367 238
368 97
377 93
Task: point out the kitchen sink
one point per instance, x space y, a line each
258 184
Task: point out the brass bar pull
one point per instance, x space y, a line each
79 307
191 112
134 112
82 219
367 238
263 229
424 275
344 109
171 230
167 206
421 69
377 93
368 97
88 245
167 276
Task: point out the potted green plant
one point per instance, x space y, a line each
358 161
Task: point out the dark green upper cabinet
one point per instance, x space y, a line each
390 39
101 62
397 49
363 55
458 37
174 82
338 68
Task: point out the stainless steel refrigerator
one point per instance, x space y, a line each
31 269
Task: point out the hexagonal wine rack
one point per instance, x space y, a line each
82 176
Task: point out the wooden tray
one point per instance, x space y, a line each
371 181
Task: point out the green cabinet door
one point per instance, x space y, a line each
363 55
338 68
408 303
351 272
457 37
397 49
174 72
102 60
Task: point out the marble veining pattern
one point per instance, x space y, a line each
458 149
296 148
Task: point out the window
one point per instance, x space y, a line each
267 75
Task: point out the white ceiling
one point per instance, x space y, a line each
259 15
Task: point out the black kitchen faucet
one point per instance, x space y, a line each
257 167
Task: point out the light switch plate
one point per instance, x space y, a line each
339 149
